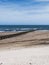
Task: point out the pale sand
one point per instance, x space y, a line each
22 50
25 56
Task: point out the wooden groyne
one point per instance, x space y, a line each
14 35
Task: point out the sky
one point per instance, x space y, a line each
24 12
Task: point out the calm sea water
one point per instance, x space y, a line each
22 27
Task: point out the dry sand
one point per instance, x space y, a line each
28 49
25 56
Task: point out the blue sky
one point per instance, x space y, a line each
33 12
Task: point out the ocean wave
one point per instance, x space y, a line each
17 29
11 28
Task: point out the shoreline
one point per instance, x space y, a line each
10 35
26 39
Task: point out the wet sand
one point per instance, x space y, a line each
31 48
27 39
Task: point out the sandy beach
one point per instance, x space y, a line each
31 48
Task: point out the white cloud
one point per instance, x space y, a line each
24 15
21 17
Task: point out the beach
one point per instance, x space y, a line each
31 48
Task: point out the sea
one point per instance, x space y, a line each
14 28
